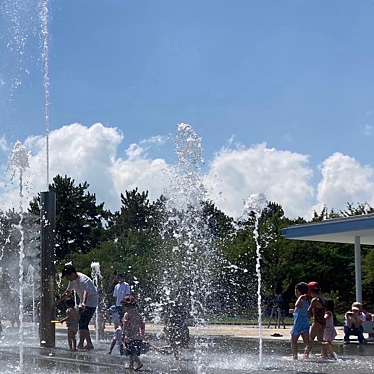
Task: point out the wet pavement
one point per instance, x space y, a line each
218 355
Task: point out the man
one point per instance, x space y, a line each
88 297
121 290
354 324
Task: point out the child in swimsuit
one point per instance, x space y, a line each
330 333
317 311
133 328
301 318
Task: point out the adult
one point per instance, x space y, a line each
121 290
88 297
353 324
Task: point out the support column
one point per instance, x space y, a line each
47 239
358 269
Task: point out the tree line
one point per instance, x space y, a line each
132 241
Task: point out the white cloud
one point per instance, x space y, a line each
89 154
146 174
283 176
92 154
344 180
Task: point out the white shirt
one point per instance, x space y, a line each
84 283
121 290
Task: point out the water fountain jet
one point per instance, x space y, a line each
18 164
255 205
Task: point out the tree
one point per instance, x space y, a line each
80 221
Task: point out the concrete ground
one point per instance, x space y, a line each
231 331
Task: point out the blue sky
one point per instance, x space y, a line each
298 75
295 74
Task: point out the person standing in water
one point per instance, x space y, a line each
88 297
301 318
317 312
133 332
72 323
121 290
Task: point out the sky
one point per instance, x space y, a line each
281 93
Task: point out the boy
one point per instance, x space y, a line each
134 329
317 312
72 322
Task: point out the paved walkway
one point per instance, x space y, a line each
238 331
232 331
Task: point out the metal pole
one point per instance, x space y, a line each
47 305
358 269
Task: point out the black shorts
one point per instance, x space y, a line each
120 311
134 347
85 317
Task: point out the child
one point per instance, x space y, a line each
72 323
330 333
317 311
117 340
134 329
301 318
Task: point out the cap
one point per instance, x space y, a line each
313 286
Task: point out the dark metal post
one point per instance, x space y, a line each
47 239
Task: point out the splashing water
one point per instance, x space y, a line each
31 280
44 15
188 263
96 277
18 163
19 20
255 205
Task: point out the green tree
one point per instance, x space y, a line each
79 219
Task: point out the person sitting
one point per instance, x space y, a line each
353 325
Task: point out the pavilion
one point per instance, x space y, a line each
355 230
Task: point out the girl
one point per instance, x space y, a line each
330 333
301 318
133 329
